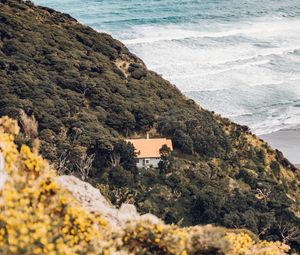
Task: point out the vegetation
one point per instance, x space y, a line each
40 217
87 93
165 163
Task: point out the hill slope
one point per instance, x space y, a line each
43 214
87 92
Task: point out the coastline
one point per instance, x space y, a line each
288 142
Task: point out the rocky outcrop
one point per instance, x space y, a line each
91 199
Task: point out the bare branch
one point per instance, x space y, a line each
289 233
115 159
85 164
61 164
263 193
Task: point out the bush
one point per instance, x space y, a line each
120 177
248 176
194 132
275 168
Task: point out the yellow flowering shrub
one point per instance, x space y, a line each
243 244
37 216
146 238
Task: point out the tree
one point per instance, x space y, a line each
122 121
165 160
144 117
120 177
123 154
183 141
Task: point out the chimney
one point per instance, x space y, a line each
148 135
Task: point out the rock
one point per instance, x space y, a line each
91 199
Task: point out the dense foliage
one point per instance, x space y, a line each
38 216
88 92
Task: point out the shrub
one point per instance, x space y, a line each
120 177
275 168
38 216
248 177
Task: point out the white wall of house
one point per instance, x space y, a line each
147 162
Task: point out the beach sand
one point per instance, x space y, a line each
286 141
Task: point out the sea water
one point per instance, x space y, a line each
240 58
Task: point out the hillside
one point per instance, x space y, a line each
88 92
45 214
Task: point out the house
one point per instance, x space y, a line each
147 150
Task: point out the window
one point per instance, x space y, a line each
146 162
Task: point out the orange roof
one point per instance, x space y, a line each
149 148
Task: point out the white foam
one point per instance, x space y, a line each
258 53
150 34
236 66
271 124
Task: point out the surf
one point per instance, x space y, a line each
237 58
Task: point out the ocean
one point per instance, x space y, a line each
240 58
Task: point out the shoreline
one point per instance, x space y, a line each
287 141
